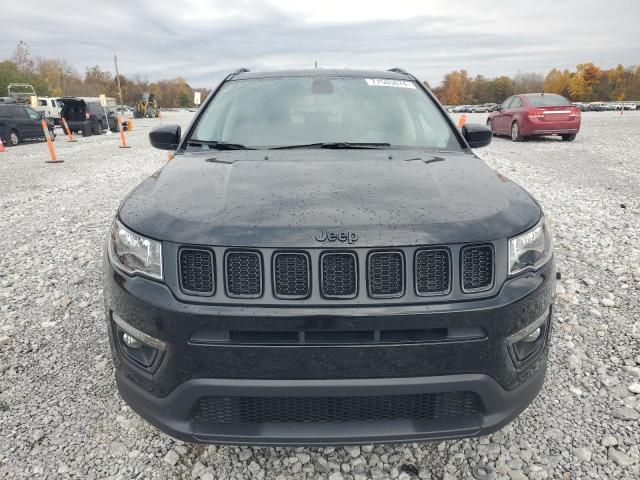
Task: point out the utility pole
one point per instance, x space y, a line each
115 60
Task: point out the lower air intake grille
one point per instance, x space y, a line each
386 274
257 410
477 268
291 275
432 272
243 271
339 275
196 271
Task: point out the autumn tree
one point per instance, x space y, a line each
57 74
456 87
98 81
557 82
617 83
503 87
481 91
524 82
22 58
583 81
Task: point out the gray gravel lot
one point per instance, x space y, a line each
60 414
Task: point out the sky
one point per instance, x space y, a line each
203 40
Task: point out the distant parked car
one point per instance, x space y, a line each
536 114
480 108
19 123
583 107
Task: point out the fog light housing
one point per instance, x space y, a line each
525 345
533 336
130 341
141 349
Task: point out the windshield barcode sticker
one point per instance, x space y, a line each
385 82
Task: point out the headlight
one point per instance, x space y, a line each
134 253
530 250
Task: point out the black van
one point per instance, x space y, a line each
19 123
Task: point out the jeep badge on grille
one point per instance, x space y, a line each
349 237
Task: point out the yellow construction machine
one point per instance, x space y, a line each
146 106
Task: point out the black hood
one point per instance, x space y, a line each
241 198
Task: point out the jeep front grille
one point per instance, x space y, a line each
315 276
432 269
374 408
477 268
386 274
197 268
291 275
243 271
339 275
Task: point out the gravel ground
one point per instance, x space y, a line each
60 414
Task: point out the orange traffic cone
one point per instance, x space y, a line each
462 120
122 137
47 136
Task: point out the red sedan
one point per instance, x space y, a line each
535 114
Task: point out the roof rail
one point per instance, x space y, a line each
239 71
399 70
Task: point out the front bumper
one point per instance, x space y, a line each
187 371
173 413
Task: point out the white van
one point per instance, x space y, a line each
50 107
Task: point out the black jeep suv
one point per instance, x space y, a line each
326 261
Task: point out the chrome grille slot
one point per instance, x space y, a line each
432 271
243 272
197 267
386 274
477 268
339 275
291 275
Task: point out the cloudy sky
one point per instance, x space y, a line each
202 40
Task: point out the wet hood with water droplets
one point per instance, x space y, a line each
239 198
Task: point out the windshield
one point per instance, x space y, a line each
280 112
547 100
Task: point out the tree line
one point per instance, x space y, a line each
57 78
587 83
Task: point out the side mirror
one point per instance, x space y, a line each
166 137
477 135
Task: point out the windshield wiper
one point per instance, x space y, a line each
217 145
335 145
